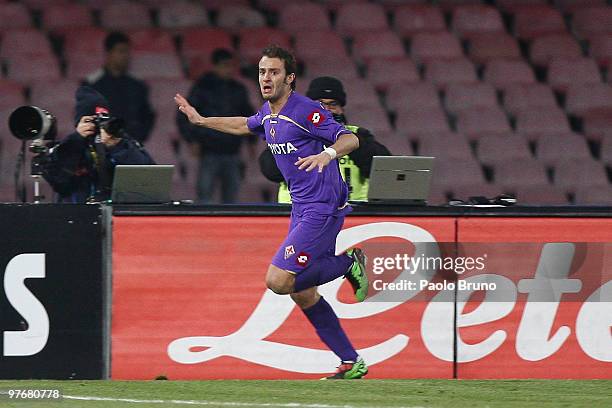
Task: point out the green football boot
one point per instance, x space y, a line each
349 370
356 274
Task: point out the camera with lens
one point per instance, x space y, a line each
114 126
40 127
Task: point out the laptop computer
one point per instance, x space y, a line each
142 184
402 180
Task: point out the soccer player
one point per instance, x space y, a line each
305 141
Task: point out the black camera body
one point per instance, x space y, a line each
114 126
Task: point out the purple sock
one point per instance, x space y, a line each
325 321
323 270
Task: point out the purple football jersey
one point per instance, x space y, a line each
303 128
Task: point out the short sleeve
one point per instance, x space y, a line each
321 124
255 125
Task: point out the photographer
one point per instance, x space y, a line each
80 169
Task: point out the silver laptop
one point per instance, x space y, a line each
145 184
400 179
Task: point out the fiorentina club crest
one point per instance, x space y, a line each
289 251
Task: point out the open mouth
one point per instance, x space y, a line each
266 89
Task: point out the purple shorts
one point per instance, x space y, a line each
312 235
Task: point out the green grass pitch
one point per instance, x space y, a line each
319 394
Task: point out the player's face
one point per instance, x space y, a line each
274 82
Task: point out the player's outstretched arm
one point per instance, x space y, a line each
235 125
346 143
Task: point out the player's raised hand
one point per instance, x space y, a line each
183 105
312 162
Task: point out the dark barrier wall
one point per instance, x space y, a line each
51 301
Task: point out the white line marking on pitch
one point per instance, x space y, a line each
226 403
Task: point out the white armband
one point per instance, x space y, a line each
331 151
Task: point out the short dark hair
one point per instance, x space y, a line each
114 38
220 55
274 51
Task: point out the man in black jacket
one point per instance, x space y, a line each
216 93
81 167
128 96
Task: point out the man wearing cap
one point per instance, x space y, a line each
81 166
354 167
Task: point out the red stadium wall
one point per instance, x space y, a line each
189 302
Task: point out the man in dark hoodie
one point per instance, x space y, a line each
216 93
81 167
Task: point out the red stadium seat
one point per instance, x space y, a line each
571 6
413 96
361 93
445 146
472 20
555 148
600 48
445 72
162 92
27 68
467 96
153 66
373 118
511 6
393 5
368 46
593 195
81 41
342 68
396 144
563 72
606 150
51 94
124 15
572 174
482 121
598 124
534 124
67 15
535 21
235 18
514 173
181 14
22 42
496 148
545 48
353 18
12 95
278 5
485 47
453 175
14 15
151 40
385 74
529 97
414 123
297 17
80 66
203 41
450 5
413 19
254 40
581 99
592 20
544 194
503 74
314 44
428 46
